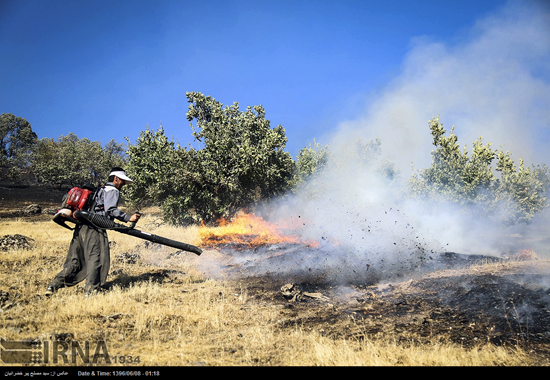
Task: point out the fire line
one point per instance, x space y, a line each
247 231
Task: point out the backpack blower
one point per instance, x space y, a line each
77 199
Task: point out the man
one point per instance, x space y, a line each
89 257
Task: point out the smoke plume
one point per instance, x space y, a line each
494 83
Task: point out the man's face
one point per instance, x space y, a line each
119 183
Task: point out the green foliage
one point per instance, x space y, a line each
242 161
16 141
542 174
164 174
73 161
469 179
310 162
455 174
521 191
150 166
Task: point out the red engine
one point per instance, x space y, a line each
78 198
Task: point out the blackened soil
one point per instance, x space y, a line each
505 303
15 197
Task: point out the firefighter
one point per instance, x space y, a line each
89 257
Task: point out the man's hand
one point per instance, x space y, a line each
135 217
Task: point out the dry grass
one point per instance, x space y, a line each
186 319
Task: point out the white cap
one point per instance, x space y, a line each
121 175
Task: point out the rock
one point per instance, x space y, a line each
16 241
292 292
31 209
318 296
128 258
50 210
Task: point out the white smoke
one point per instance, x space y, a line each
494 84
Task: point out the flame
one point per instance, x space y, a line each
526 254
523 255
247 231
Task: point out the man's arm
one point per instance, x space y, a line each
110 202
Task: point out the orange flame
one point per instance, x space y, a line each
246 231
523 255
526 254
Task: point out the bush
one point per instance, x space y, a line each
315 160
514 196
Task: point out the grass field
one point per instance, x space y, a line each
162 311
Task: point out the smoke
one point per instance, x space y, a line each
494 83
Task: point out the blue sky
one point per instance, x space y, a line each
108 69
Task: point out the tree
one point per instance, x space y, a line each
370 157
469 180
16 141
243 159
520 192
151 168
72 161
114 155
454 174
241 162
311 161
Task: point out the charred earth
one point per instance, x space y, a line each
466 299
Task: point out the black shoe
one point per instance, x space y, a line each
49 291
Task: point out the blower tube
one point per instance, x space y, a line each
102 222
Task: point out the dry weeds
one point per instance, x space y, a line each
162 311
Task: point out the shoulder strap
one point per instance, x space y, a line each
95 197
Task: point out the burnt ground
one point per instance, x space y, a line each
18 200
504 302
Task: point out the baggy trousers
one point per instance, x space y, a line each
88 259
